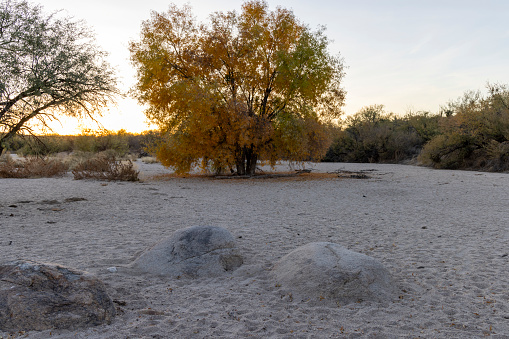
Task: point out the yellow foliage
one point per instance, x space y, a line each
248 86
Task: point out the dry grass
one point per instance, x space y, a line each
32 167
106 167
149 160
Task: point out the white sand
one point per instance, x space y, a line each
442 234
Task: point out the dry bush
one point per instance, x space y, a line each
102 140
105 167
149 160
32 167
475 135
372 135
498 156
5 156
76 158
449 151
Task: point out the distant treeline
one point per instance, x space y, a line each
120 143
469 133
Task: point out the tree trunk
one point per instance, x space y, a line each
246 161
2 140
241 170
251 163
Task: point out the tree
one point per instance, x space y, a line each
374 135
475 135
244 87
48 66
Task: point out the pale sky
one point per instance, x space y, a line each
404 54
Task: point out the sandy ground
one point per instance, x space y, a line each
442 234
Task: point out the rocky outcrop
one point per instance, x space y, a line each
37 296
192 252
326 271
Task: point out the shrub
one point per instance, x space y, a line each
470 133
32 167
449 151
371 135
151 142
498 156
45 145
106 167
102 140
475 135
424 124
89 141
149 160
39 145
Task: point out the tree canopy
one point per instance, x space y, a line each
474 134
48 66
240 88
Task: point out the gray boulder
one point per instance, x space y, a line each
192 252
328 272
36 296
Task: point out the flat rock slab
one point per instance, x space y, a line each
199 251
37 296
328 272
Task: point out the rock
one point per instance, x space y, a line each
324 271
193 252
36 296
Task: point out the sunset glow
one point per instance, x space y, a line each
404 55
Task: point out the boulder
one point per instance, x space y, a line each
37 296
324 271
198 251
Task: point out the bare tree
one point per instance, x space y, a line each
49 66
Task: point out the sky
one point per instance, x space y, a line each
408 55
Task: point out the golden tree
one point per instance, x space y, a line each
241 88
